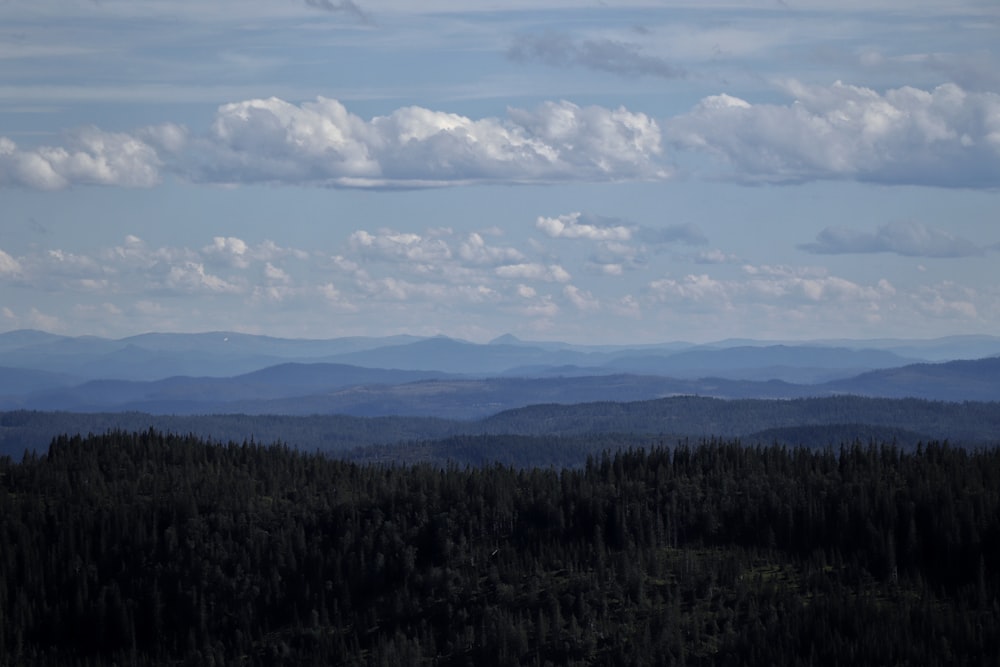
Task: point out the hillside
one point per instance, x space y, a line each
816 421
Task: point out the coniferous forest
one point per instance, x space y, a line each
154 549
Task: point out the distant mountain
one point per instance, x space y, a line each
300 389
20 381
948 348
20 338
189 395
804 364
156 356
455 356
963 380
63 362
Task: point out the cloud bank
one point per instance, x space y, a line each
442 275
943 137
322 143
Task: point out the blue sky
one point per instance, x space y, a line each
637 172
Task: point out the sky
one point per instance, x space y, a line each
630 172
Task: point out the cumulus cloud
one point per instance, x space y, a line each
944 137
475 250
388 244
905 237
768 284
91 157
581 299
191 277
606 55
322 143
946 300
580 226
230 249
226 266
620 245
8 265
534 271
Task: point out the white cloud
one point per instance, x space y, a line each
322 143
807 284
592 228
391 288
474 250
946 300
769 284
944 137
538 307
526 292
693 287
191 277
333 297
628 306
275 274
612 269
581 299
388 244
93 157
904 237
534 271
35 319
231 249
8 265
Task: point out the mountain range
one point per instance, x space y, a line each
226 372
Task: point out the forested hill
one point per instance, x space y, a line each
815 422
145 549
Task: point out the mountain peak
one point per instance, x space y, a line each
506 339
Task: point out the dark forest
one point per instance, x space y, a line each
150 549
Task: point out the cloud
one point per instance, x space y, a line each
766 284
580 226
8 265
533 271
92 157
227 266
230 249
943 137
946 300
322 143
581 299
474 250
606 55
387 244
613 258
190 277
908 238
